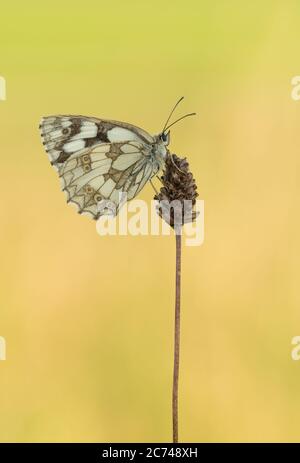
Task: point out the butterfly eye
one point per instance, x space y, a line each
165 137
86 168
66 131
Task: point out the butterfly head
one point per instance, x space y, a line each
164 138
159 147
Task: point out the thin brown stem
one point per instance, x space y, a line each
176 338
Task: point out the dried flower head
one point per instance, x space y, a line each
177 196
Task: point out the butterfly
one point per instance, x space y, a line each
102 162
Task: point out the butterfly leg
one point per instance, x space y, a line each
152 184
173 162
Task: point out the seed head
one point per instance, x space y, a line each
177 196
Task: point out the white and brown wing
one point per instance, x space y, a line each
98 160
65 135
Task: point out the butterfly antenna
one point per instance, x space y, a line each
170 115
180 119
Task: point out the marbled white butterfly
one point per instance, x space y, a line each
99 160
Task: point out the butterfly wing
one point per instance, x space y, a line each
64 135
98 160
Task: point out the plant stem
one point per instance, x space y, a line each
176 338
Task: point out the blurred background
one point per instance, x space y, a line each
88 320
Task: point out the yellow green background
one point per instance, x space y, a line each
88 320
